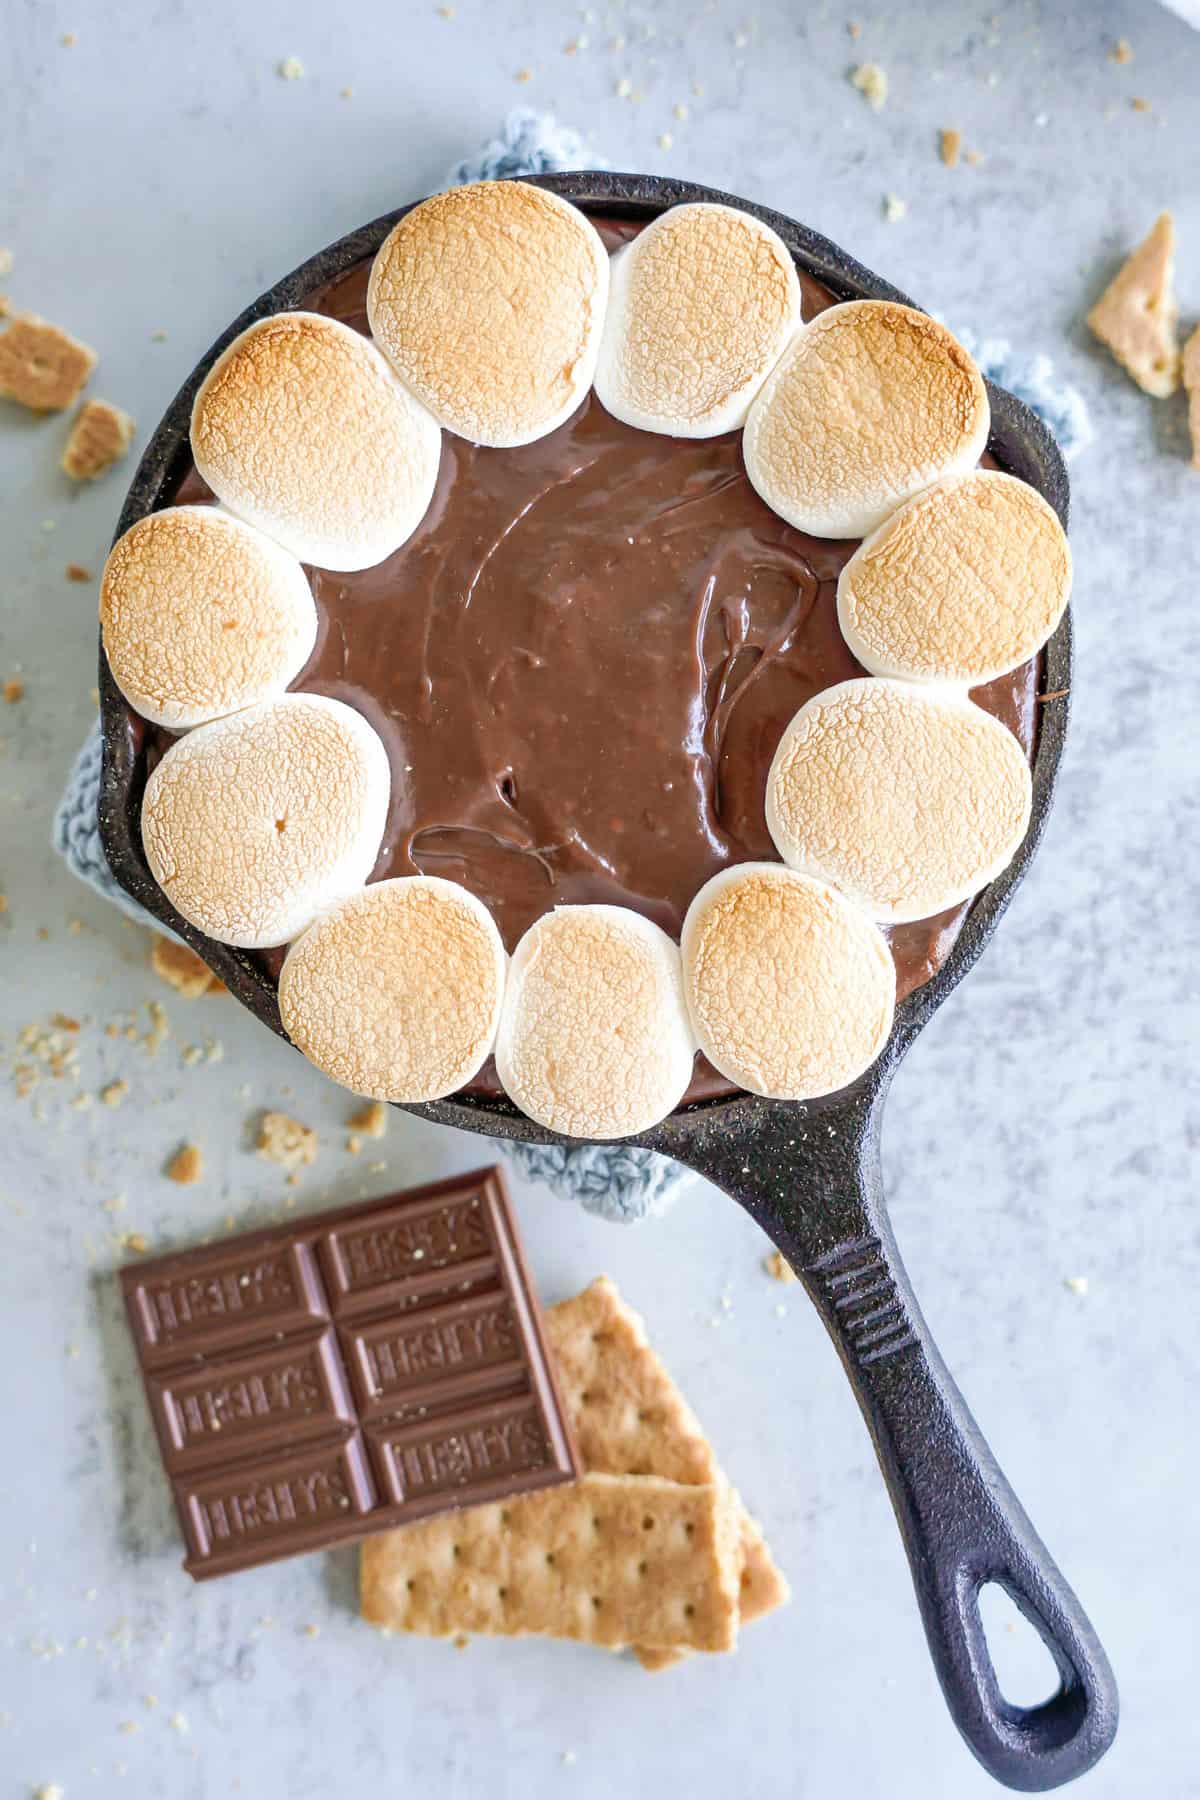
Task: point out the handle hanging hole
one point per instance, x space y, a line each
1024 1667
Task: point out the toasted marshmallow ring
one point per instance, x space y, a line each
962 584
202 615
790 988
909 799
302 429
701 305
255 823
396 992
594 1038
871 402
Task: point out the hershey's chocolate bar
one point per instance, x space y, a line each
347 1373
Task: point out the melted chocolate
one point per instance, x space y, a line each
581 664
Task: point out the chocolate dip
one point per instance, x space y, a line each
581 664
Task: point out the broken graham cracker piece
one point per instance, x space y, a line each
182 969
42 367
286 1141
99 437
607 1560
1136 315
370 1119
1191 381
186 1166
629 1418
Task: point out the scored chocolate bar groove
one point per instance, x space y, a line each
347 1373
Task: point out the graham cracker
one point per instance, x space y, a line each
42 367
1191 381
99 437
182 969
629 1418
606 1560
1136 315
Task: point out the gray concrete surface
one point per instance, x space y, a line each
156 174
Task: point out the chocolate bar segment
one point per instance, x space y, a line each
254 1403
494 1452
235 1296
347 1373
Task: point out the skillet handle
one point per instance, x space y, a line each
961 1523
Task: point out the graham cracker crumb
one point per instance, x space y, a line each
42 367
353 1144
523 75
371 1119
1139 104
160 1029
949 145
778 1267
1191 382
974 157
5 306
68 40
186 1166
346 93
114 1093
135 1241
286 1141
312 1631
14 689
3 904
181 968
77 572
872 83
853 28
461 1642
99 437
158 337
291 69
1121 52
49 1790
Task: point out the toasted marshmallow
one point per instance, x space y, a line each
790 988
202 615
701 306
396 992
255 823
594 1037
909 799
962 584
301 429
488 301
871 403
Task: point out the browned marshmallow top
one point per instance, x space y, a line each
582 662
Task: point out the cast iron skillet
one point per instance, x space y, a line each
809 1174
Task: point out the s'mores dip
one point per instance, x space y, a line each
586 660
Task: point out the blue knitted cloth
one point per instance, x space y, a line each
614 1180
